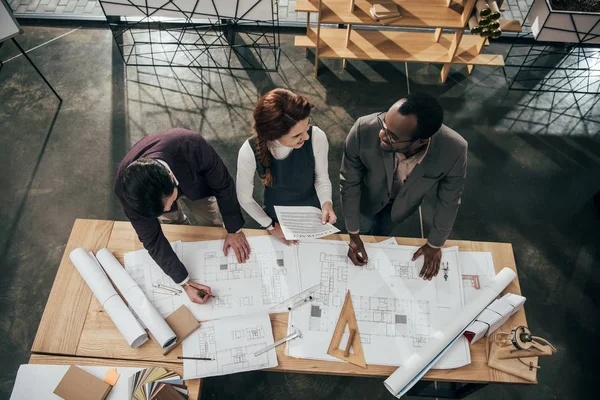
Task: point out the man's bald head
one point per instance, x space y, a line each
416 116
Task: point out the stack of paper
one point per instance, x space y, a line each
157 383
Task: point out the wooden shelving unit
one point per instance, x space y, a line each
393 44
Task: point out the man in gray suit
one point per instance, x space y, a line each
390 161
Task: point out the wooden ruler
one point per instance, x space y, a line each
347 317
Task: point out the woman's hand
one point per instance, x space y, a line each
328 214
278 233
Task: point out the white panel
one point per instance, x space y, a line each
226 8
183 5
8 26
246 9
155 3
596 32
121 10
537 15
593 41
560 21
584 23
551 35
261 12
170 14
140 3
206 8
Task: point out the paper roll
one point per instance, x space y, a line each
107 296
136 299
440 341
125 322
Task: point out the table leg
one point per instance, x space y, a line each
36 69
444 390
194 388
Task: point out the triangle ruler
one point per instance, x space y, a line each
347 317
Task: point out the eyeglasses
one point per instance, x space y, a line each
390 136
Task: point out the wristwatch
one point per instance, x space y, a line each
271 227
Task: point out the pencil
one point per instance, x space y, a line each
196 358
203 293
359 253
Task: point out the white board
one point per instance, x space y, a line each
9 27
261 10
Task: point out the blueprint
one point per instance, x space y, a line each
395 309
231 343
477 271
164 294
268 278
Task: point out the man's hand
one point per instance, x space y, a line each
431 264
357 252
328 214
239 244
278 233
197 292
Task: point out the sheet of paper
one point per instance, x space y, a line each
395 309
303 223
39 381
389 241
268 278
231 343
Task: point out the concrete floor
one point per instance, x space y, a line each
534 165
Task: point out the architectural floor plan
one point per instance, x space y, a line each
231 344
162 292
477 270
269 277
396 311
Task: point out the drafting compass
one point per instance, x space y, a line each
164 289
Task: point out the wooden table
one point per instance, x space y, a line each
75 325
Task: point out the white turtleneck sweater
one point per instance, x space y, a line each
246 168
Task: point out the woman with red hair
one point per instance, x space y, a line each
289 155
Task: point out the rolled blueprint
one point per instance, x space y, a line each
440 341
107 296
136 299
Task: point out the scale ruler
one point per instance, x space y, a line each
283 306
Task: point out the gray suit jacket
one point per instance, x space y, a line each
366 178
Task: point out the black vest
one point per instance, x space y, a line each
293 178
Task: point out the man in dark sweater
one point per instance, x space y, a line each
159 173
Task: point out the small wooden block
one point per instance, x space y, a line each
183 323
349 344
78 384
